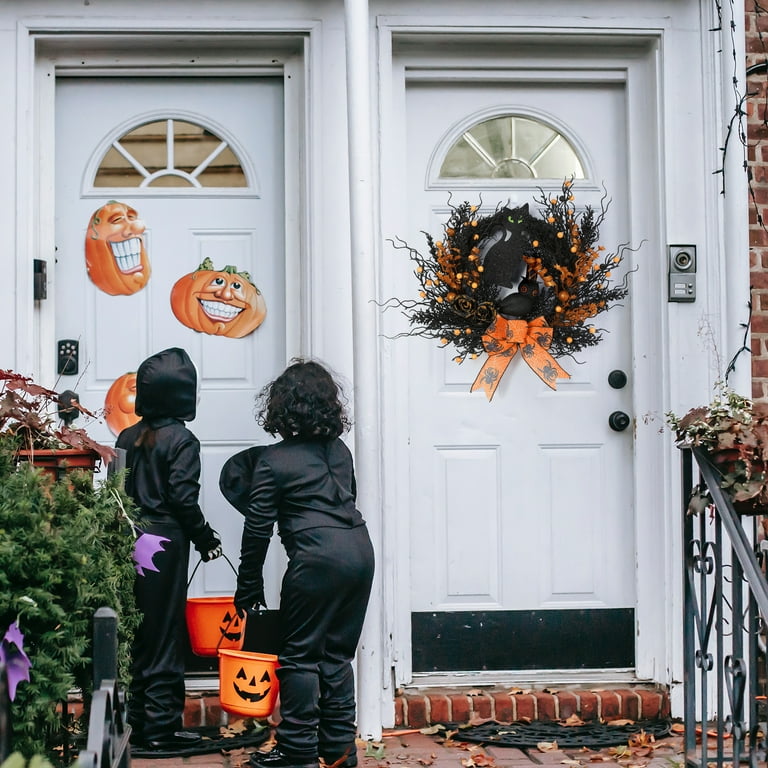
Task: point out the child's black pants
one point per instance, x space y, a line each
323 601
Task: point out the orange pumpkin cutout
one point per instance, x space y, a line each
120 403
115 254
218 302
248 682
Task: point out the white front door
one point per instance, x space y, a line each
521 508
229 209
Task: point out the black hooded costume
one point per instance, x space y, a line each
163 460
307 486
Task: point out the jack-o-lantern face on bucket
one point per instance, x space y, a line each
218 302
115 255
231 626
250 690
120 403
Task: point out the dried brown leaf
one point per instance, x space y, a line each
572 721
546 746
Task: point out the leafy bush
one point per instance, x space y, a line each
65 550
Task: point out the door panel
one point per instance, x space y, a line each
240 227
527 499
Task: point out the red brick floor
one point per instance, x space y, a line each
404 748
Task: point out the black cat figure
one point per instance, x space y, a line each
501 253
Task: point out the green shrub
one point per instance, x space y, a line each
65 550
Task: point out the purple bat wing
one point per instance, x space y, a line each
146 547
16 662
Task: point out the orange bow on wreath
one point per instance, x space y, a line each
501 341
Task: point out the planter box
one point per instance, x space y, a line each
58 462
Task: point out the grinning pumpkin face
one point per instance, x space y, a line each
218 302
120 403
249 689
115 256
231 626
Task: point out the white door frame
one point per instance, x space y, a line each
51 48
642 50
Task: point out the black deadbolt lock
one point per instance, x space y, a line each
617 379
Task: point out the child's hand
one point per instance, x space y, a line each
211 554
208 544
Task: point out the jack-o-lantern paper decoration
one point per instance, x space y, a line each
218 302
120 403
115 253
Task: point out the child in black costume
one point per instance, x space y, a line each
163 460
306 484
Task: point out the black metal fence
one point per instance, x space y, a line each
108 733
724 629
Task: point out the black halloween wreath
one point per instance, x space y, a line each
513 281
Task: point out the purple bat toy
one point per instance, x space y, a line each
146 547
16 662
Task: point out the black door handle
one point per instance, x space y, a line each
618 421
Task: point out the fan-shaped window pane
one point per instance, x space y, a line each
511 147
170 153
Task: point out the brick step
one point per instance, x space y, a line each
424 708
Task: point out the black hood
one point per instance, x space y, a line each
166 386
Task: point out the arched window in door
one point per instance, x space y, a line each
511 146
170 153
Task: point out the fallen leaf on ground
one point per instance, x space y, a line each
374 749
513 691
480 760
572 720
431 730
622 751
237 726
641 739
621 722
570 762
477 720
546 746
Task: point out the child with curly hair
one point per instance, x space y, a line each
306 484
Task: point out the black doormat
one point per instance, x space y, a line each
212 741
594 735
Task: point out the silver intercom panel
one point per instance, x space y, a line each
682 272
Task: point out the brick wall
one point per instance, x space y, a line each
757 133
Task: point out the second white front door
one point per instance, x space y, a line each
521 509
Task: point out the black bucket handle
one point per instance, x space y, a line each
194 570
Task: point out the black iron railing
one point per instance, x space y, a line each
724 627
108 733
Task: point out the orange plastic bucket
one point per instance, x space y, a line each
213 623
248 683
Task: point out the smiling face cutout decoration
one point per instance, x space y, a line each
115 254
218 302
